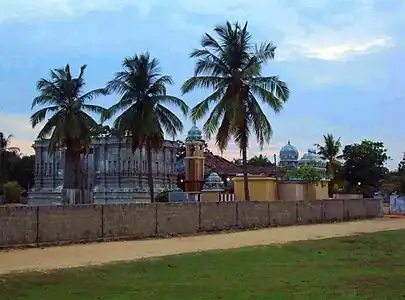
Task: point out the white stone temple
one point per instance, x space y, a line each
112 172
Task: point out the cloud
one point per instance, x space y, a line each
310 29
24 10
20 128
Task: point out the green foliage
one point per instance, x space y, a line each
143 115
12 192
14 166
260 161
306 173
231 67
330 150
364 164
69 123
162 197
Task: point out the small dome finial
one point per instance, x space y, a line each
289 142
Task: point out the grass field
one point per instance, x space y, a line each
370 266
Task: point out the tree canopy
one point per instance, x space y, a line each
260 161
365 165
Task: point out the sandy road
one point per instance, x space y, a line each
92 254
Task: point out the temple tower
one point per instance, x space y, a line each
194 161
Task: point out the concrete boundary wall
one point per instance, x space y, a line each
30 225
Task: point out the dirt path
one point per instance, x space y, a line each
91 254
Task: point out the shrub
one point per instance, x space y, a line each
12 192
162 197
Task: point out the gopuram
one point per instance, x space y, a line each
112 172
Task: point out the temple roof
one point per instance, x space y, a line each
288 153
222 166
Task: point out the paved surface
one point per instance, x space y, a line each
92 254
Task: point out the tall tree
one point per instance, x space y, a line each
232 66
144 117
5 146
69 125
330 151
365 165
5 143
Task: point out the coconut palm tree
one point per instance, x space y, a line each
231 66
330 151
5 143
69 125
144 118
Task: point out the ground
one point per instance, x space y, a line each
368 266
90 254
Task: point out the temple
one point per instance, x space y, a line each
112 172
289 158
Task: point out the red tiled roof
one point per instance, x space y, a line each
223 166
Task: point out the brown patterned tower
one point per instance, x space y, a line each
194 161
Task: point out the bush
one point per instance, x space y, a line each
12 192
162 197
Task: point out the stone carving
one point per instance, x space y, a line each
109 169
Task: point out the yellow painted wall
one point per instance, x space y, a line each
210 196
265 189
260 189
318 191
293 190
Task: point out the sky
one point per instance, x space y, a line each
343 60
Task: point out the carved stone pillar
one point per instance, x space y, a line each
164 171
119 163
53 170
41 167
105 158
140 166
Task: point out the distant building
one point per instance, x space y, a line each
289 158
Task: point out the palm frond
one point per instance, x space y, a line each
93 94
49 126
209 42
202 108
170 122
202 82
273 84
268 97
225 130
177 102
265 51
40 115
259 121
213 121
95 109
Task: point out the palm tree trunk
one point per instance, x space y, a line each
150 173
245 174
330 188
71 176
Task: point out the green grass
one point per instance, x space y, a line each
370 266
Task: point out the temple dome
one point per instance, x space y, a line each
313 159
288 153
213 182
194 134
